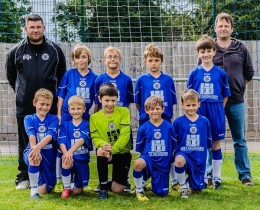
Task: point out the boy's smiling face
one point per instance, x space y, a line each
155 113
108 103
76 110
206 55
112 60
81 62
43 106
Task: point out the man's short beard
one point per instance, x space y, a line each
35 40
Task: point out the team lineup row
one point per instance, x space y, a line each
221 92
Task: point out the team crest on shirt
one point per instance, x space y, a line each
45 56
157 135
42 129
111 126
82 83
193 129
156 85
76 134
207 78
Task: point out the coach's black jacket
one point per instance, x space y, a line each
30 67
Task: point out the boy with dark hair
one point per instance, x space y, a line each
110 130
211 83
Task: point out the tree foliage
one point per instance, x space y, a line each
151 20
113 21
11 13
245 14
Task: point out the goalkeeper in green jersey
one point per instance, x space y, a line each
110 130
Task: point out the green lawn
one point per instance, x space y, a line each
233 195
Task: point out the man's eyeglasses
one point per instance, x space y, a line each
115 57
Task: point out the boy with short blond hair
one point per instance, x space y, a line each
211 83
113 74
193 137
110 130
40 154
156 143
75 145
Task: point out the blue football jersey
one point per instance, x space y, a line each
211 85
158 143
41 128
163 86
193 138
124 85
69 134
73 83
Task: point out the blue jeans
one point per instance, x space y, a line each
236 114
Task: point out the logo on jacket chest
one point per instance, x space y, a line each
27 57
45 56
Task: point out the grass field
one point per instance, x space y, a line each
233 195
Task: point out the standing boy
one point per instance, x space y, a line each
77 81
193 136
156 143
110 130
211 83
113 74
40 154
155 82
75 145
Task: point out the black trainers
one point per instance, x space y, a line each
217 185
248 182
210 182
97 189
102 195
128 188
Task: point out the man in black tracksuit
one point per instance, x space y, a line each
31 64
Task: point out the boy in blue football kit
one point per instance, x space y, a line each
75 145
113 74
156 143
193 137
40 154
211 83
77 81
155 82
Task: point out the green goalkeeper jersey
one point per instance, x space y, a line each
114 129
